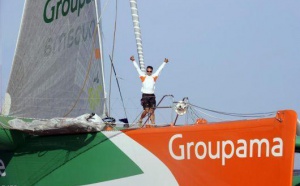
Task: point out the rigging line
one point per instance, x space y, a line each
211 116
193 112
112 57
87 74
103 10
134 121
113 67
237 114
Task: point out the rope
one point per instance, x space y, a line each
262 114
211 116
103 10
113 67
112 57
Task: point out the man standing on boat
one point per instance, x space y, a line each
148 97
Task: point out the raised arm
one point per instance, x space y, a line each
141 73
161 67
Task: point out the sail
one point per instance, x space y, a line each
57 70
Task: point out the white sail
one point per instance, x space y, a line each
57 67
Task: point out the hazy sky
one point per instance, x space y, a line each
226 55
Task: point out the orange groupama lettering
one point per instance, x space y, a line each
181 149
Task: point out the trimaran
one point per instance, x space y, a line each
49 136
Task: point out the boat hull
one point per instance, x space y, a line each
248 152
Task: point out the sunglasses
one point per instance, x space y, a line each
149 71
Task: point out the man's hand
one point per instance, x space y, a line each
166 60
132 58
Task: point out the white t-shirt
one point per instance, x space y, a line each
148 82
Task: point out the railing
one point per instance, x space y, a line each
158 107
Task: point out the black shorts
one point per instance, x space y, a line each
148 101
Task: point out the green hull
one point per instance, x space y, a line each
48 160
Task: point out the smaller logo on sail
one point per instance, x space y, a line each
94 97
75 36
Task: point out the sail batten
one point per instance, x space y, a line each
57 65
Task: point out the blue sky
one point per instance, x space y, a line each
233 56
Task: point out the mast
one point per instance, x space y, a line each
101 56
137 33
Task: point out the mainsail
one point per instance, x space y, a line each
57 69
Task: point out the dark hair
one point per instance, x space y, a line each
150 67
